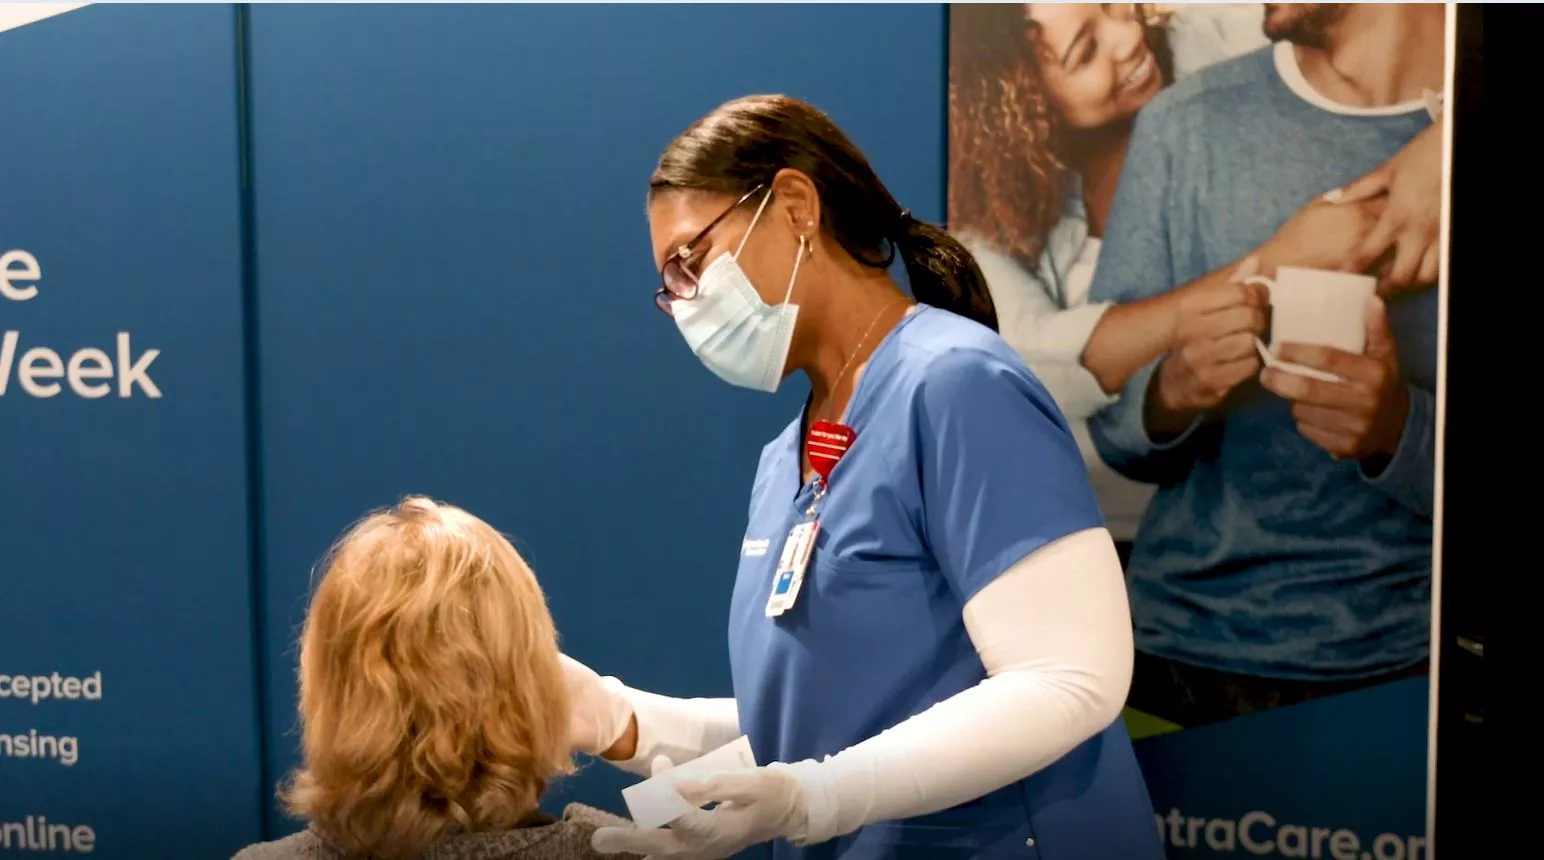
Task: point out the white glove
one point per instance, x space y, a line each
753 806
599 713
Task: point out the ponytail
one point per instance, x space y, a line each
942 273
746 142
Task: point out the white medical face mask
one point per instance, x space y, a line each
739 337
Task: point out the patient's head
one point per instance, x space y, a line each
431 697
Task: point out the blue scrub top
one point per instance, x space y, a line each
962 466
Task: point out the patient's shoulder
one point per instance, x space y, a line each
588 816
304 845
565 839
580 823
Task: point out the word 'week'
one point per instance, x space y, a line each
42 372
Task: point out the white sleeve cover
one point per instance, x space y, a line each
1054 633
679 729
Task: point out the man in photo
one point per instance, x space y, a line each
1287 552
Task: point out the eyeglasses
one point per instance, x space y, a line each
677 282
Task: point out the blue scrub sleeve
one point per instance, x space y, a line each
1001 475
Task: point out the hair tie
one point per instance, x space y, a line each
898 236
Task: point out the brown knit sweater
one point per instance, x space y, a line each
566 839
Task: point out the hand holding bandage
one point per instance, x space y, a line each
751 807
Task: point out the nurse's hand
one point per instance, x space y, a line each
753 806
601 718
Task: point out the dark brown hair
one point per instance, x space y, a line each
1007 148
747 141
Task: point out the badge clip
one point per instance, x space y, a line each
791 566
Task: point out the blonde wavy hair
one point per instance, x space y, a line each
432 701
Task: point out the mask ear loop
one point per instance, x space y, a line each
797 259
767 198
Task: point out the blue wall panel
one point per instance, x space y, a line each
454 295
1345 772
124 542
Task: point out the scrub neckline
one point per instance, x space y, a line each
860 394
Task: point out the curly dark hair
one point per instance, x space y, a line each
1007 159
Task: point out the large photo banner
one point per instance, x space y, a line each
1212 232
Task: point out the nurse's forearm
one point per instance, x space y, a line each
679 729
1054 632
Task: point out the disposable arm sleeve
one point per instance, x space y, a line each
1409 477
679 729
1054 632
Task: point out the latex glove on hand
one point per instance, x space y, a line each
599 713
753 806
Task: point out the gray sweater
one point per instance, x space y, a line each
568 839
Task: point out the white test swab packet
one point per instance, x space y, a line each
655 802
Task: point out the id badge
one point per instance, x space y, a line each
790 567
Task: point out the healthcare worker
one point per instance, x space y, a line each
930 642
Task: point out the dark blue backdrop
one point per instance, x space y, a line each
454 294
402 249
447 287
124 532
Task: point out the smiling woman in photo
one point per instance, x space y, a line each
1042 102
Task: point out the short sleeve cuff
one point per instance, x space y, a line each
977 580
1054 352
1409 474
1065 334
1077 391
1128 432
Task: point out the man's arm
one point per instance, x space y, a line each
1215 319
1136 265
1409 476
